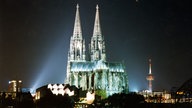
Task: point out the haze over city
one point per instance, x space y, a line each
35 35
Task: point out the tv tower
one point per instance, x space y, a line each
150 77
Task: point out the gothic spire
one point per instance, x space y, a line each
97 41
97 28
77 33
77 49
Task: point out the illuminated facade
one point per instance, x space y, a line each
95 74
15 86
56 89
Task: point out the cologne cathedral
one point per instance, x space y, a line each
95 74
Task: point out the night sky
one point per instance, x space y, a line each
35 35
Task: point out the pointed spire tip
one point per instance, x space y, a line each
77 5
97 7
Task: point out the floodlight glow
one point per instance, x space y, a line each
46 73
134 89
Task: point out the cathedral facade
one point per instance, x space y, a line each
96 74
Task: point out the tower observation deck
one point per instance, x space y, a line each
150 77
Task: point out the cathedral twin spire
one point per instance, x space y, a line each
77 43
97 40
77 33
97 28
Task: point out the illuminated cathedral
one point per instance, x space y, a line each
96 74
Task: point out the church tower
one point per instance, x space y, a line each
97 47
77 44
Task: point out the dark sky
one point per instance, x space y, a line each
35 34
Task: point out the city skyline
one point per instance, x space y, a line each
35 39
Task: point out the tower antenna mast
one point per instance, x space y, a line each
150 77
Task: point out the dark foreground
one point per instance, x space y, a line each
25 100
168 105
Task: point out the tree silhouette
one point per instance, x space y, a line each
123 100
